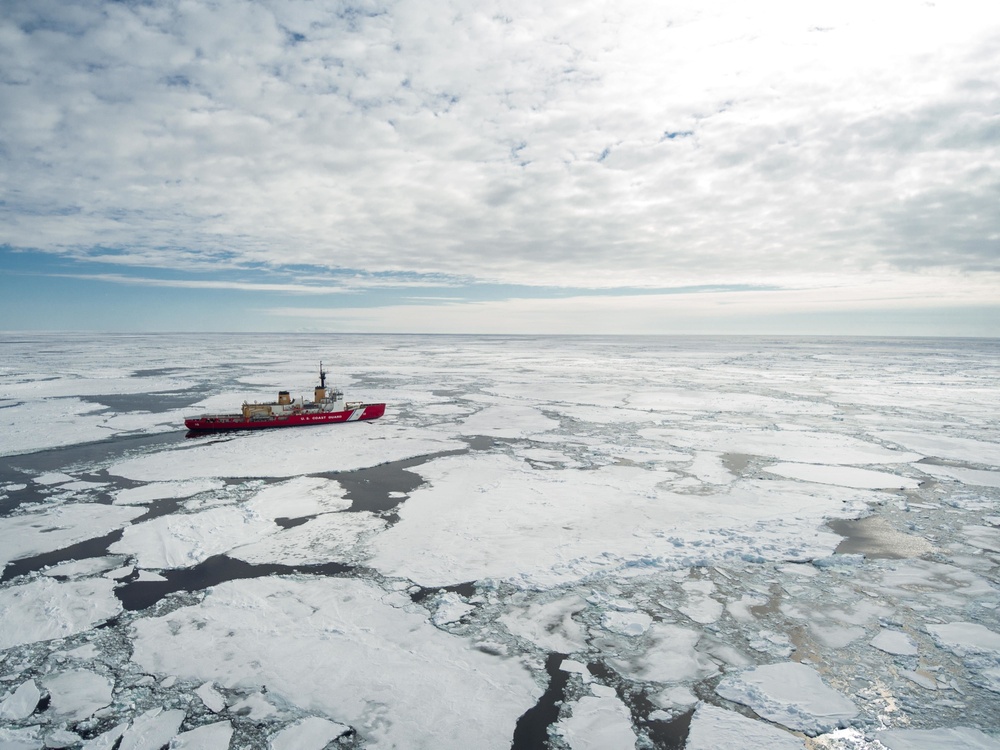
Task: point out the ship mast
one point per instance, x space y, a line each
322 376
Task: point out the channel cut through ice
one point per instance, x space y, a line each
545 542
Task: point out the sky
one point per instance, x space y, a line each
429 166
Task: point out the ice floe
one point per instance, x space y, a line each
335 645
895 642
53 528
44 609
20 703
286 453
312 733
598 723
490 516
791 694
78 693
843 476
952 738
714 728
208 737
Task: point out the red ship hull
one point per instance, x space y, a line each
238 422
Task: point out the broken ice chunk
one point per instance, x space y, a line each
714 728
209 737
152 730
953 738
631 624
211 697
964 638
78 693
789 694
895 642
21 703
598 723
312 733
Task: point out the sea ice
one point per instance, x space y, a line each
183 540
152 730
715 728
50 529
790 694
598 723
843 476
208 737
337 646
330 537
964 638
946 446
631 624
952 738
485 516
699 604
44 609
78 693
508 421
549 625
81 568
147 493
312 733
211 697
784 445
286 453
20 739
669 657
20 703
975 477
448 608
894 642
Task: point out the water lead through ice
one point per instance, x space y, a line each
137 595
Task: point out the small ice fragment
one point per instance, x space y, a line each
61 738
450 608
575 667
53 477
923 680
674 697
895 642
211 697
21 703
312 733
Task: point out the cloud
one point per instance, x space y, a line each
507 142
881 306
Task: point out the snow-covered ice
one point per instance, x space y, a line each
791 694
715 728
571 543
45 609
346 648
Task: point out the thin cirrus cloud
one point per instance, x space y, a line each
588 145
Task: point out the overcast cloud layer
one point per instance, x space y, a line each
800 146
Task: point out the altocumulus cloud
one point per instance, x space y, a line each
579 144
